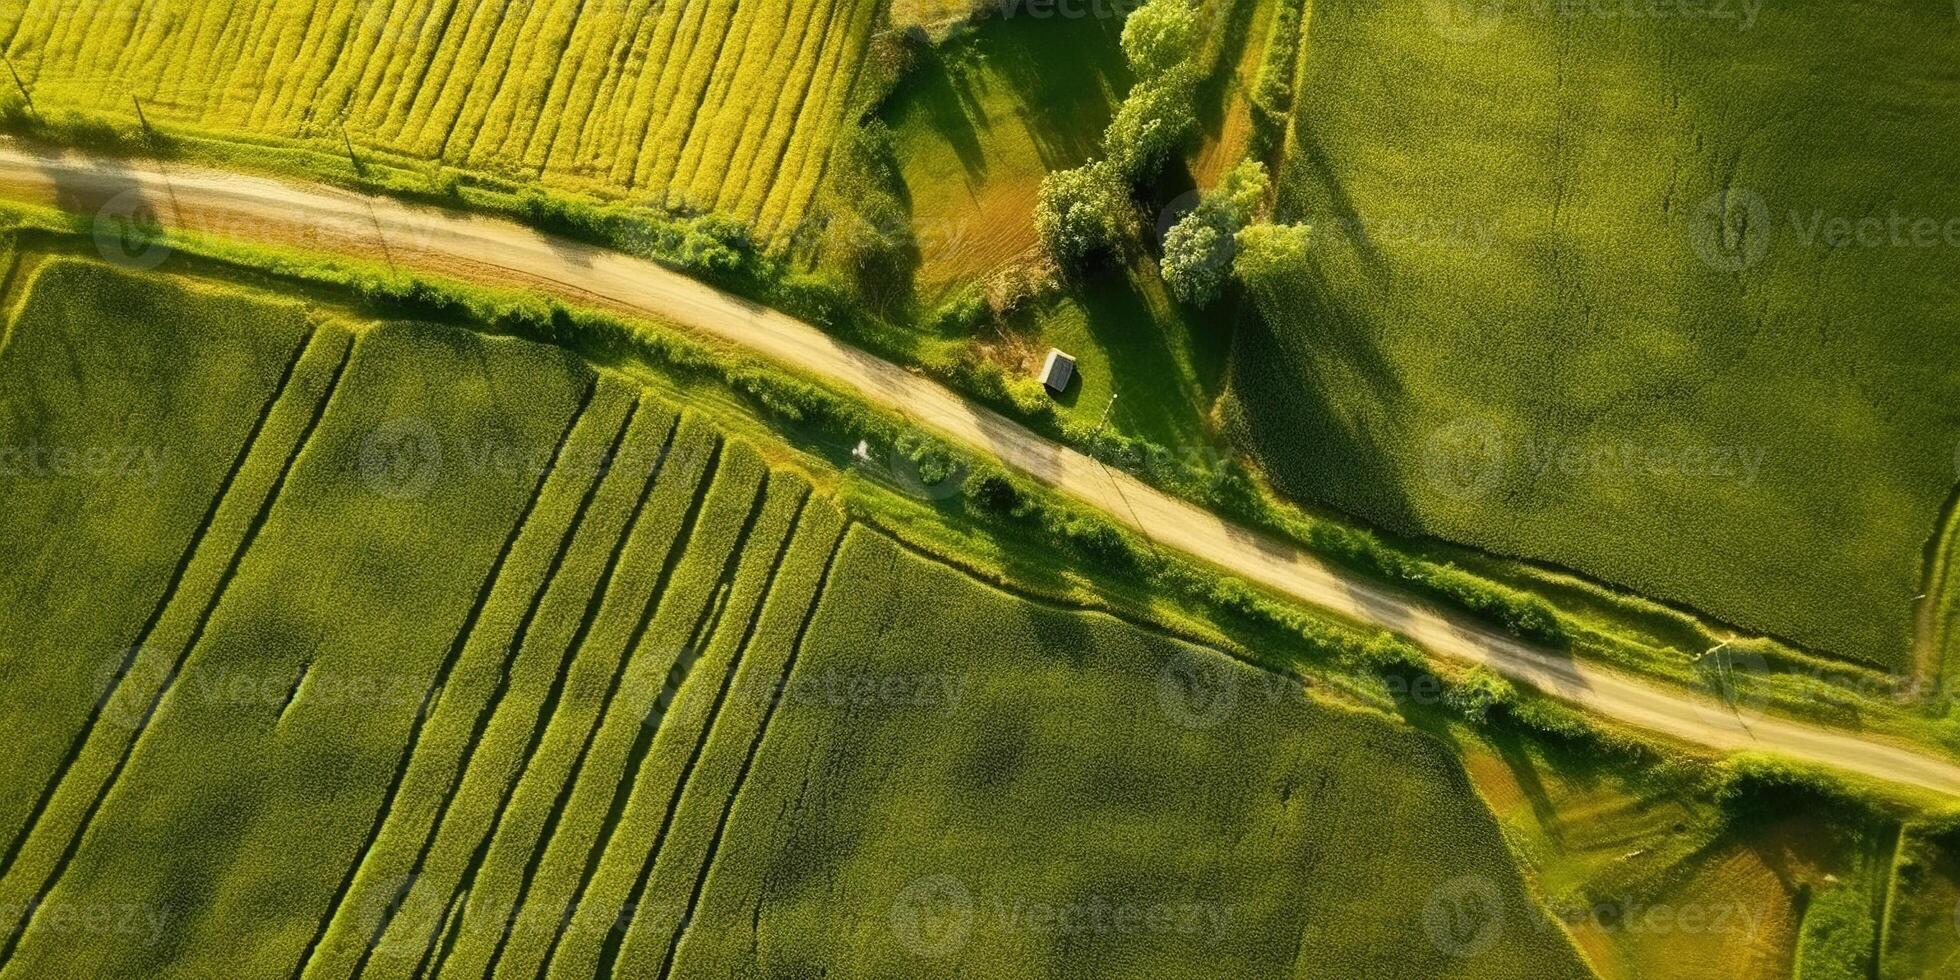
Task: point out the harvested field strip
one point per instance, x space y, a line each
425 773
702 708
547 653
768 663
127 523
663 661
47 848
579 543
696 102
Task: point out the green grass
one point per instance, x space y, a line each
981 118
110 493
1215 841
270 745
491 637
1530 286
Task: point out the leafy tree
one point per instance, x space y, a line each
1080 212
1198 250
1270 256
1152 124
1159 36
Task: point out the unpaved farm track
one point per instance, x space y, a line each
504 254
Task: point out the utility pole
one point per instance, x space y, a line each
349 144
1114 483
24 93
141 120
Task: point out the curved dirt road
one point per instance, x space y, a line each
502 253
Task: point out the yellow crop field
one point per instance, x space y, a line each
700 105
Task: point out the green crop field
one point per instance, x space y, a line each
698 105
1666 300
433 653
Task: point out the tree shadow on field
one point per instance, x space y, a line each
946 97
1067 75
1215 94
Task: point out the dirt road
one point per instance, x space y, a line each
504 254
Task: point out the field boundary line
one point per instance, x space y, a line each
486 715
438 683
164 599
562 798
190 646
677 675
616 939
649 727
548 710
1930 633
806 617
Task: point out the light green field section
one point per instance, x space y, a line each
1661 299
699 104
1153 810
482 663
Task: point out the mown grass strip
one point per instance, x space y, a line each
629 484
442 732
599 783
699 707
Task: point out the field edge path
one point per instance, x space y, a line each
501 253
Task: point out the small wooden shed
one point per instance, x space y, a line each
1057 370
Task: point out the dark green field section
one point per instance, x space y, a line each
433 654
1668 300
1151 809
